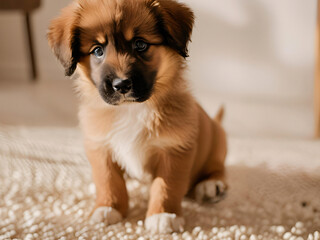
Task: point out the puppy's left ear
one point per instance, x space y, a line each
177 22
64 38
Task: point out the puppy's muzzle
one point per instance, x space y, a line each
122 86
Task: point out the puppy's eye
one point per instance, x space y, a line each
140 46
98 52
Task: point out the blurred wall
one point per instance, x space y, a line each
251 48
257 48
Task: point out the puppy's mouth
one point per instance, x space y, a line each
116 99
128 98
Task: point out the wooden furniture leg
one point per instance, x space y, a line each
317 79
31 47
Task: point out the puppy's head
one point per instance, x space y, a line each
127 49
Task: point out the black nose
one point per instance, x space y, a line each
122 86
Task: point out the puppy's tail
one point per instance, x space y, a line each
220 115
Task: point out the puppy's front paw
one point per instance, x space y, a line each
108 215
210 191
164 223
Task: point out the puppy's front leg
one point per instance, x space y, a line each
112 198
167 191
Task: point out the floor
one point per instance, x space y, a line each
43 103
47 192
51 102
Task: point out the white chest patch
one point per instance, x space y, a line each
129 140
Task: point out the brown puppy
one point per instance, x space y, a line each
136 111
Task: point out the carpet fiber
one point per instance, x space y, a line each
46 191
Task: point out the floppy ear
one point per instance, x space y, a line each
177 22
64 38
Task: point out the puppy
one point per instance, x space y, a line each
136 112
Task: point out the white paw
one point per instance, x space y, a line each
108 215
210 191
164 223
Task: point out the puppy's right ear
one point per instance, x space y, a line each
64 38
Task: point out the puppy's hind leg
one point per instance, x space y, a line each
213 187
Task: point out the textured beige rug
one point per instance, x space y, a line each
46 191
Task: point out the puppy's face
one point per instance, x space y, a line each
123 47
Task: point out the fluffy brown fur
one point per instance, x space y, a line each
158 131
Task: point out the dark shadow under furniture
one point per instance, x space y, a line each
26 6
